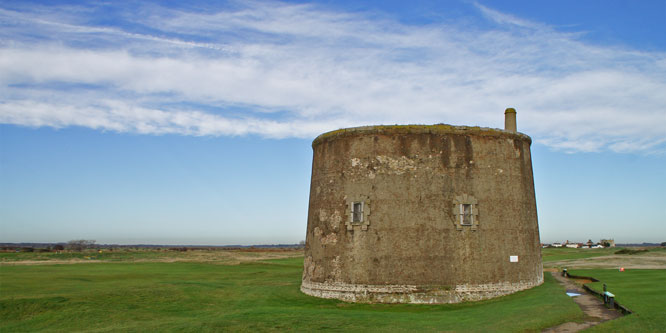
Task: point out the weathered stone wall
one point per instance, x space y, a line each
411 246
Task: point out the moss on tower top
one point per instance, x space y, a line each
417 129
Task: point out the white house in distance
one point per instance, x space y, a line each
589 245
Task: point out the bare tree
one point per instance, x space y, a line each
80 244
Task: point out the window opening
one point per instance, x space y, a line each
465 212
357 212
466 218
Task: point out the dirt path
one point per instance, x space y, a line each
594 310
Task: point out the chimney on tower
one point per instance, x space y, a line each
510 120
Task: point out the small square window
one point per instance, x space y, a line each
357 212
466 217
466 212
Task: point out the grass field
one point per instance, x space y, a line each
146 255
205 290
264 295
118 255
643 291
559 253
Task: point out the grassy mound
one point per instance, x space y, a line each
631 251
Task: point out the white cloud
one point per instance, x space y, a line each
123 117
281 70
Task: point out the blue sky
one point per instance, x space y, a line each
191 122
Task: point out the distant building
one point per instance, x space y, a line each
557 244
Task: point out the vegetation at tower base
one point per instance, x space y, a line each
421 214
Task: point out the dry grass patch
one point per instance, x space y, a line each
218 256
653 258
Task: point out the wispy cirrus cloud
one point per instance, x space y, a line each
284 70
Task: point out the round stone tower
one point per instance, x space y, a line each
421 214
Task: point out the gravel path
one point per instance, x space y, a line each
594 308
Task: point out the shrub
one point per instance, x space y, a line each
629 251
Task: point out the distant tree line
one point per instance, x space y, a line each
80 244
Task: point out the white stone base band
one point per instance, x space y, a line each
361 293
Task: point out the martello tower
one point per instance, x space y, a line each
422 214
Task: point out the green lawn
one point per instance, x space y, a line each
643 291
264 296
